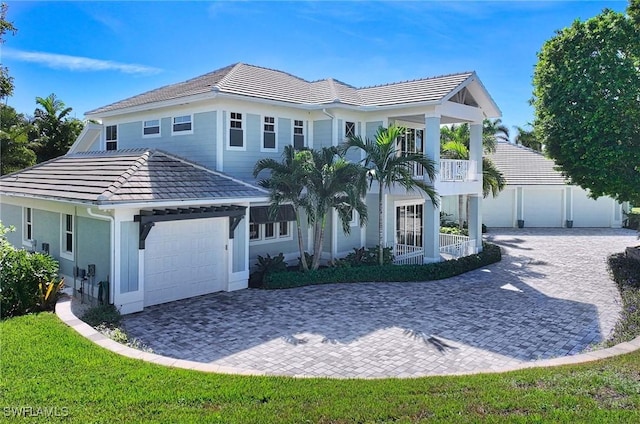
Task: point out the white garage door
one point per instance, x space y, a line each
499 211
591 213
184 259
543 208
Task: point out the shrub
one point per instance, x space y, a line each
25 280
625 272
265 266
362 256
385 273
107 315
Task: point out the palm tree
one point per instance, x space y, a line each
55 131
334 183
493 131
388 166
527 138
286 184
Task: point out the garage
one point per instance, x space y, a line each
591 213
499 211
185 258
542 208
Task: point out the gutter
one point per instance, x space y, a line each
112 233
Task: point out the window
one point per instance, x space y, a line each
111 137
284 229
409 225
236 135
349 129
254 231
298 134
28 224
269 231
66 239
182 125
412 142
151 128
269 133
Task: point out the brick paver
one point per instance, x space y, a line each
549 297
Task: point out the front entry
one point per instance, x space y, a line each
408 248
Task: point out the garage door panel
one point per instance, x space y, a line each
185 259
591 213
543 208
498 211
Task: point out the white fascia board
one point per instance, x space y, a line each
51 199
89 127
462 112
153 105
400 106
182 203
478 90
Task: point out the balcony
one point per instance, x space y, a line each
456 170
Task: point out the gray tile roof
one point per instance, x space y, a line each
524 166
125 176
270 84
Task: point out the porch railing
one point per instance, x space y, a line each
405 254
457 170
456 246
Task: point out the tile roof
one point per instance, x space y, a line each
523 166
124 176
271 84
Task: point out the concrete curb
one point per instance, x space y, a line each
64 312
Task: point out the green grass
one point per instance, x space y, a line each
45 364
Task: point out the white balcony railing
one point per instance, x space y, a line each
456 246
404 254
457 170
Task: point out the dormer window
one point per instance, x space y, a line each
269 133
298 134
236 132
111 137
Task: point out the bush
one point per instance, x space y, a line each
385 273
366 257
25 280
625 272
632 220
107 315
266 265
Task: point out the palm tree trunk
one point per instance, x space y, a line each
380 227
303 259
319 238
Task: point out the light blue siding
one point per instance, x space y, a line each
322 133
199 147
94 246
372 222
346 243
129 257
285 137
11 215
287 246
371 128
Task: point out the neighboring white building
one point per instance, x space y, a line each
537 195
159 196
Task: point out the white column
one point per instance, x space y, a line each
475 220
431 219
568 205
475 148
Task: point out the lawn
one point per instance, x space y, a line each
45 364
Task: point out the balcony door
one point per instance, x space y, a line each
413 142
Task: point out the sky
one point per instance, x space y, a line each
91 54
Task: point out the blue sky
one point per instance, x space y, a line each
94 53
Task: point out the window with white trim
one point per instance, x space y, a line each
270 231
182 125
151 128
298 134
349 129
269 133
66 236
236 132
111 137
27 227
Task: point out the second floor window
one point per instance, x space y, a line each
111 137
269 135
67 235
298 134
151 128
349 129
236 135
182 125
28 224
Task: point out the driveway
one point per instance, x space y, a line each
550 296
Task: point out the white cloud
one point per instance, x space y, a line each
77 63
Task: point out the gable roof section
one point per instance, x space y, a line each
523 166
125 176
263 83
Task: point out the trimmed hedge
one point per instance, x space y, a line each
385 273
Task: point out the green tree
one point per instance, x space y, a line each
6 81
333 183
286 184
586 98
14 141
54 130
527 138
388 166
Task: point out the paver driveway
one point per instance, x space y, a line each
550 296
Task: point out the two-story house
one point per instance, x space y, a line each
159 197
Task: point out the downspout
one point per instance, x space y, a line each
113 249
324 110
